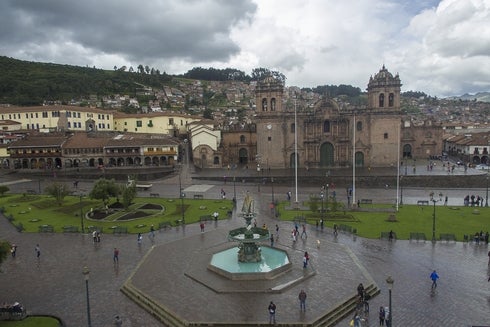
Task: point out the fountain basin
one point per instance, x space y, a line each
273 263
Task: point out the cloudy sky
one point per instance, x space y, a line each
438 47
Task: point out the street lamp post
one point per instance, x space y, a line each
486 198
181 195
401 190
86 273
390 282
323 210
81 214
234 191
434 222
272 186
326 198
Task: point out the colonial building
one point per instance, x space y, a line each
239 144
59 118
205 140
169 123
81 150
329 135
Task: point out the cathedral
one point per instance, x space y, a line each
329 135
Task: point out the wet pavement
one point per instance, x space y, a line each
54 284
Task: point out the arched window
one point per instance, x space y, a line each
264 104
242 138
326 126
381 100
293 128
359 126
216 160
273 104
391 100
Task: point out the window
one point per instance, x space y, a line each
293 128
391 100
269 138
68 114
45 114
326 126
359 126
69 125
27 115
242 138
385 136
37 115
78 115
139 123
216 160
264 104
170 121
381 100
273 104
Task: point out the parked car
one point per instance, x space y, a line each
482 167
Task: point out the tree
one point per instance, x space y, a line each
147 69
3 189
207 113
104 189
58 191
128 194
141 69
4 250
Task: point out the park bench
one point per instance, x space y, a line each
386 235
178 222
347 229
366 201
206 218
423 202
91 229
198 196
164 225
300 219
70 229
417 236
119 230
155 195
447 237
46 229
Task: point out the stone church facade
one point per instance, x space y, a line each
329 135
285 133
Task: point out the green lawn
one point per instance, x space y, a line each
410 218
32 322
33 211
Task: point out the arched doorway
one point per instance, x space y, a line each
407 151
243 156
359 159
292 162
326 155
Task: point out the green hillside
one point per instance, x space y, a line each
27 83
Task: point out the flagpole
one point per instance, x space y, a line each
354 163
296 152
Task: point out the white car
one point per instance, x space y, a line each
482 167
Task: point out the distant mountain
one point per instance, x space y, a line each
480 96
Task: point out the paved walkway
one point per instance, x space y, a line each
54 284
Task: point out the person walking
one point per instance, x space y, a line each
434 277
140 238
304 231
13 250
37 249
302 300
152 231
272 240
116 255
272 313
306 259
381 316
202 226
489 258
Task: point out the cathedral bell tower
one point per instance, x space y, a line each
270 124
384 91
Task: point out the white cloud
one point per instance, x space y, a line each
438 47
